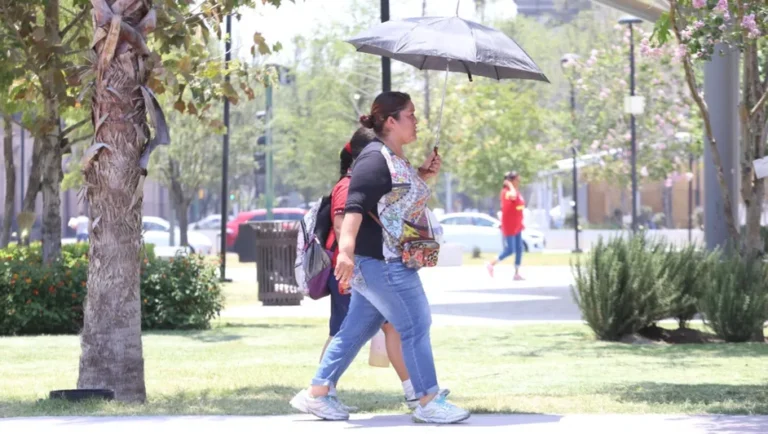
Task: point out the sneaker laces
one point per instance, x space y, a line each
333 401
441 402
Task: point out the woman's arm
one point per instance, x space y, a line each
337 220
348 233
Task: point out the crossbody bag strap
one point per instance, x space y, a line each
376 219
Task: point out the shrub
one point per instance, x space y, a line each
734 301
48 299
620 287
688 270
180 293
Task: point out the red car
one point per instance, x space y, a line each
260 215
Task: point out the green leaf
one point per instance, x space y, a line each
661 30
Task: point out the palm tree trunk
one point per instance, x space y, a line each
10 181
111 337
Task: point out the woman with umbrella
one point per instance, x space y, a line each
386 201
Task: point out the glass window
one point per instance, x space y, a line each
479 221
457 221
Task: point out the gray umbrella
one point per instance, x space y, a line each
449 44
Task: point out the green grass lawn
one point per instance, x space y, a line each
255 366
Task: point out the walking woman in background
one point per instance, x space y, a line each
386 204
512 206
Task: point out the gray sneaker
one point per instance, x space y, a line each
347 408
326 408
413 403
439 411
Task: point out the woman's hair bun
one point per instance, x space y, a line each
366 121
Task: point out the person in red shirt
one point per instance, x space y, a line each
340 297
512 206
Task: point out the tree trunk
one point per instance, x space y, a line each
111 337
51 152
10 181
754 135
180 205
35 178
182 216
51 189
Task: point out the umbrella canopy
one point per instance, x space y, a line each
449 44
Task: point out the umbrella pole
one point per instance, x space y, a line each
442 103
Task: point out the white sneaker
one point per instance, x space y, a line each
299 402
326 408
414 402
347 408
439 411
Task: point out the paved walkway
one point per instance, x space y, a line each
462 296
375 424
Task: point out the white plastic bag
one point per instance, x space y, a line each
378 355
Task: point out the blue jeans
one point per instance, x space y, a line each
339 306
392 292
513 244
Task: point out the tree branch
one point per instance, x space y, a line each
691 79
75 21
760 103
66 145
74 127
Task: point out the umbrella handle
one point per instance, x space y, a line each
442 104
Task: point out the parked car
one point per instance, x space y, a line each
474 229
157 231
211 222
260 215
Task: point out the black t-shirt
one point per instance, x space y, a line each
371 180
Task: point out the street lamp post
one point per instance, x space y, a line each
631 21
225 162
567 61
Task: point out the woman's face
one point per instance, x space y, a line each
404 129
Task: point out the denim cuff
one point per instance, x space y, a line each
429 391
321 382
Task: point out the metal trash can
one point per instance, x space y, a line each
275 259
245 243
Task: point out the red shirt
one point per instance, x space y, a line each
511 213
338 203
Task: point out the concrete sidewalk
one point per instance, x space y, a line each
300 424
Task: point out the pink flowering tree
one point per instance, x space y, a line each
600 125
693 28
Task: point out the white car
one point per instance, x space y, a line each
157 231
474 229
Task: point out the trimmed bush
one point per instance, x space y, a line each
179 293
688 271
734 300
620 287
48 299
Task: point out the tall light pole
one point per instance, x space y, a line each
631 21
568 61
225 160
